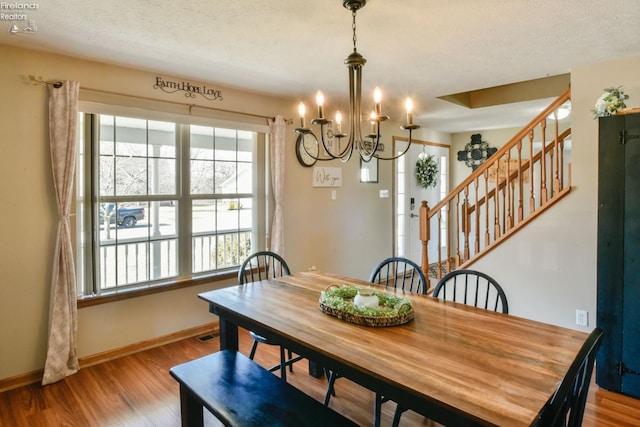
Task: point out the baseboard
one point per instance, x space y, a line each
21 380
147 344
36 376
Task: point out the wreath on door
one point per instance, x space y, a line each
426 170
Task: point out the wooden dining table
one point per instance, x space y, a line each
456 364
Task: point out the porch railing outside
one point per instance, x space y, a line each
210 251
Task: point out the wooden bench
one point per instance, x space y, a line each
240 392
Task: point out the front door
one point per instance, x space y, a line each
409 196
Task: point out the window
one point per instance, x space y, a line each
160 201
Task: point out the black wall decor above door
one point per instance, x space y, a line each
475 152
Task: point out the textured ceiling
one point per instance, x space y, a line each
419 48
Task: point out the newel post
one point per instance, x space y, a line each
424 236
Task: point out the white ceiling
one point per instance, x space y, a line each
418 48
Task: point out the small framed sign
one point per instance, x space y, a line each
327 177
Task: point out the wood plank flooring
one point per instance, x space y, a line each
137 390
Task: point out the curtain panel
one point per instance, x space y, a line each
277 133
62 358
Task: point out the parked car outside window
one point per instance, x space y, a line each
125 217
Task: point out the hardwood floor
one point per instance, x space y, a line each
137 390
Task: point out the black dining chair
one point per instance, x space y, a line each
399 273
566 406
402 273
469 287
472 288
265 265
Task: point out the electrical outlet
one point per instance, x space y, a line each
582 318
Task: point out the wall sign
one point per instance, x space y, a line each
190 90
327 177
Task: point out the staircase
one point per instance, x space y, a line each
525 177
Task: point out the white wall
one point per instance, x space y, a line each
549 269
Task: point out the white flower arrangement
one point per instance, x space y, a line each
426 171
610 102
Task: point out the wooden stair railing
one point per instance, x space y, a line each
526 176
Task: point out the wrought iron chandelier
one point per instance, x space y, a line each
369 145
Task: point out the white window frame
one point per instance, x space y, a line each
87 236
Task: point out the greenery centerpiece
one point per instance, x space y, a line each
610 102
392 310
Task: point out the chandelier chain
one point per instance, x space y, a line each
353 27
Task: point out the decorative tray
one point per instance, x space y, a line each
338 301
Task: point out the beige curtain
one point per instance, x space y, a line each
62 359
277 132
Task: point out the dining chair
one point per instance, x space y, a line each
399 273
469 287
265 265
472 288
402 273
566 406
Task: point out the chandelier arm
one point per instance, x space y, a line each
357 117
313 156
354 125
326 149
348 155
367 157
344 156
375 141
365 153
319 157
356 62
397 156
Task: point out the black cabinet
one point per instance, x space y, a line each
618 362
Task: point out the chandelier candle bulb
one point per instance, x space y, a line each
373 118
320 101
409 106
301 111
377 97
338 122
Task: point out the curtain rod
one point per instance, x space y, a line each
58 84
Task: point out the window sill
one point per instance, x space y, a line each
89 301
